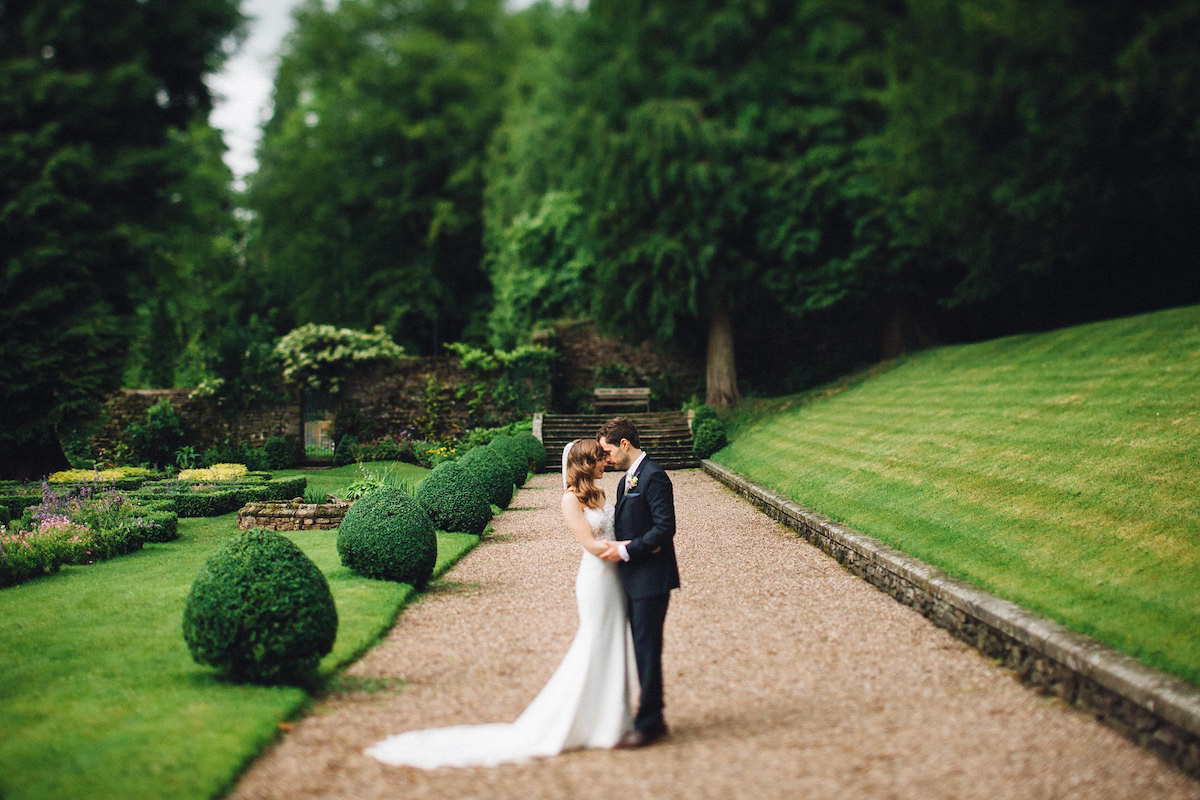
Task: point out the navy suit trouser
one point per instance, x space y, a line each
646 618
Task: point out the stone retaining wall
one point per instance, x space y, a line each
291 516
205 423
1157 711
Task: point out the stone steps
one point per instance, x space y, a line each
666 435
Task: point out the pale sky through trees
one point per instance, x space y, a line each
242 90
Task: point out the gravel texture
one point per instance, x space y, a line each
785 677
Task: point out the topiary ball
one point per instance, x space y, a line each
387 535
708 438
535 451
260 610
453 499
514 455
491 471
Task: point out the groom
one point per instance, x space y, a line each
645 552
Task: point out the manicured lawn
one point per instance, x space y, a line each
334 479
1058 470
99 696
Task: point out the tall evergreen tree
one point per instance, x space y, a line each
1047 154
88 94
537 251
369 190
718 177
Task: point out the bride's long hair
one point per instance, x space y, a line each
582 459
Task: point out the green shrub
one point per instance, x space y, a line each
105 543
513 455
231 452
703 414
209 503
535 451
709 437
279 453
430 454
260 610
386 534
17 503
157 438
346 451
491 471
5 517
454 500
283 488
220 499
28 554
160 526
478 437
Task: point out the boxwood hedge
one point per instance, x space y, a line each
386 534
491 471
260 610
453 499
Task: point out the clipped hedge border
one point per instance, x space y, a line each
121 484
224 500
17 503
166 524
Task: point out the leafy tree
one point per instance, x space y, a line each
1047 154
369 190
721 183
541 270
198 285
89 92
535 229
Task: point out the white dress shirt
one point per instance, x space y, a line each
629 473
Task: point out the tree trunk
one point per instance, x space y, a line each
721 389
897 327
33 460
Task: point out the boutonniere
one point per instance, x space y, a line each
632 482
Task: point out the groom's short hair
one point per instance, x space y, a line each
619 428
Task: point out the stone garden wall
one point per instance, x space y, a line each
292 516
204 422
429 398
591 359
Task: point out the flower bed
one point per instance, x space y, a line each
77 524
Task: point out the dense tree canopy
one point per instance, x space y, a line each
89 94
890 170
1049 152
790 186
711 146
369 191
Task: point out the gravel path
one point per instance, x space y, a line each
785 677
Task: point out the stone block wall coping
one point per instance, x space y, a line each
1164 696
291 515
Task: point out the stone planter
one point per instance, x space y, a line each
292 515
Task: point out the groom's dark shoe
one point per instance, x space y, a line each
635 739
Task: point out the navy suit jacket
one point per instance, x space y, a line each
645 516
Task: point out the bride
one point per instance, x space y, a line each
586 703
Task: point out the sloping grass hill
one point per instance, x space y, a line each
1059 470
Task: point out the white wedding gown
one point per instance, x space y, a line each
586 703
